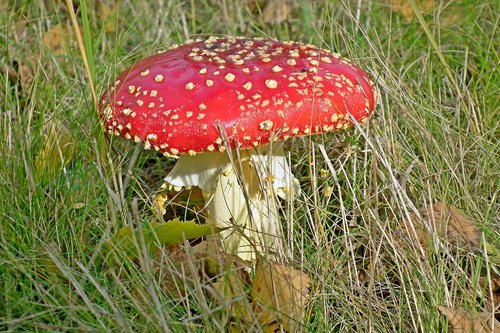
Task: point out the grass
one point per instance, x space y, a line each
434 138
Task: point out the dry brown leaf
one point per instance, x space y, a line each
448 223
22 73
462 321
448 17
57 151
175 270
56 39
19 29
22 63
25 74
451 18
403 7
46 268
59 39
200 264
230 292
280 294
107 16
451 224
276 11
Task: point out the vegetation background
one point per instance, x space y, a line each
374 226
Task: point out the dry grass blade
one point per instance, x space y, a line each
81 45
79 289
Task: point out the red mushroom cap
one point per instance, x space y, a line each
257 90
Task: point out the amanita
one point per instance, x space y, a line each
223 106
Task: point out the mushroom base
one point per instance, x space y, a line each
240 192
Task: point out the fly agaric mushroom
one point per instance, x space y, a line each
223 106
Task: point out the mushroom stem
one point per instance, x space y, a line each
251 216
241 195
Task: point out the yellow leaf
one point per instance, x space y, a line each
78 205
57 151
462 321
280 294
175 231
160 234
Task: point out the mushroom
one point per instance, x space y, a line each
223 107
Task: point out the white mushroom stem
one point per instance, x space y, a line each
241 195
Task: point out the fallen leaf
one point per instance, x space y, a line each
56 39
448 223
78 205
46 268
107 15
26 75
462 321
447 17
21 72
280 294
403 7
159 234
58 149
178 270
217 260
276 11
451 18
19 30
20 64
175 231
225 276
230 291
